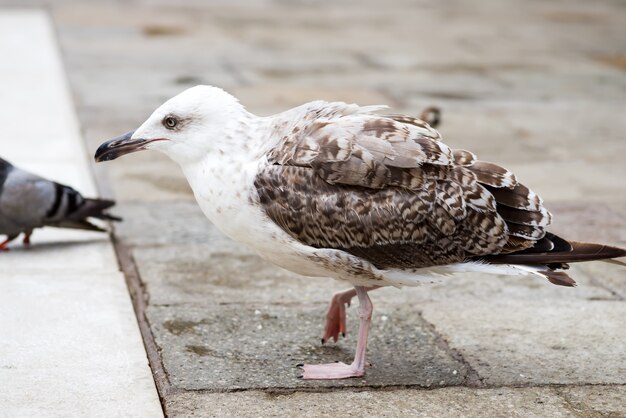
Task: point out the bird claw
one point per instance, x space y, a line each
336 318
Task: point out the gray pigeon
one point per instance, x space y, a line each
28 201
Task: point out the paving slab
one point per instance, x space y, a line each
609 276
585 221
211 273
591 401
52 248
445 402
70 347
513 342
252 346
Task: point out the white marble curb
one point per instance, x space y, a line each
69 340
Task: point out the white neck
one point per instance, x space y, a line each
222 179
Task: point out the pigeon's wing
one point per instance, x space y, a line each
387 189
28 201
25 201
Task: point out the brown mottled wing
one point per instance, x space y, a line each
390 227
388 190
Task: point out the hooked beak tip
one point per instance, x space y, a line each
116 147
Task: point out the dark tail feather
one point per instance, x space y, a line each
88 208
581 251
584 251
559 278
93 208
109 217
554 253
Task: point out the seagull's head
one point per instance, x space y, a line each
184 128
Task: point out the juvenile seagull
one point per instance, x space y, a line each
28 201
336 190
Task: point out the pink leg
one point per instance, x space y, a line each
4 245
26 240
336 315
357 368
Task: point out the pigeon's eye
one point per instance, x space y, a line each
170 122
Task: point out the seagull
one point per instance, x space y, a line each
329 189
28 201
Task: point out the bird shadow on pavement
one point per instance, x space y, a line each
38 247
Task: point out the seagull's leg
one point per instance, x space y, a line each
336 314
365 318
357 368
4 245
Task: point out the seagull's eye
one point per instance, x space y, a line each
170 122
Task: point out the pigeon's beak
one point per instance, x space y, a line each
122 145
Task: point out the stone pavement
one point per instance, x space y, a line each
537 86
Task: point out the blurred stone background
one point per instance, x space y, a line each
539 87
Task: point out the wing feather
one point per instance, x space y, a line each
493 175
463 157
372 185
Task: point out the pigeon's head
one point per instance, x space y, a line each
185 127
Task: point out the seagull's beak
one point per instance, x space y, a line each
122 145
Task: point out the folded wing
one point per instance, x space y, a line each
386 188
